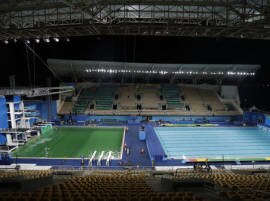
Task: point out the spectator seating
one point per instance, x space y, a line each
193 99
121 186
230 186
150 97
66 108
127 99
104 97
25 174
229 107
101 185
172 95
84 100
154 99
210 98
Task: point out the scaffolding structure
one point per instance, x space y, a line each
18 115
35 92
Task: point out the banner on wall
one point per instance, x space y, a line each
3 113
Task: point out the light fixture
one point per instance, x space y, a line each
15 40
56 39
6 42
37 40
67 39
27 41
163 72
47 40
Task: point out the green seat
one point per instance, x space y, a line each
172 95
104 97
85 97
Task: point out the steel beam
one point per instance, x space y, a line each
35 92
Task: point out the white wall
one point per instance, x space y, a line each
230 92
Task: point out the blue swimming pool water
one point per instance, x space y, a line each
214 142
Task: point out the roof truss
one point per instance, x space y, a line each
65 18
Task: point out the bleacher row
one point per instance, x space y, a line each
152 99
104 97
172 95
6 175
234 186
100 187
84 99
128 186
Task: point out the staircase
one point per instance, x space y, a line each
172 95
104 97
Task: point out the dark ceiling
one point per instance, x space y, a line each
18 60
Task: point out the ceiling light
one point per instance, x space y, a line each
56 39
47 40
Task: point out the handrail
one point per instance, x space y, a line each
99 159
91 159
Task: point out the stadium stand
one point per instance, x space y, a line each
233 186
230 107
104 97
172 95
193 98
67 106
127 185
206 101
101 186
210 98
150 97
127 99
123 100
25 174
85 97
